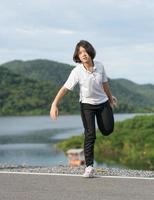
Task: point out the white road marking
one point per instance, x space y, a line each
79 175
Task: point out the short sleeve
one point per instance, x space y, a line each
72 80
104 78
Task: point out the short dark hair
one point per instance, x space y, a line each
87 46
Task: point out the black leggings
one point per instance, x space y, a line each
105 122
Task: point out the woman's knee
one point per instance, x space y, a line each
108 131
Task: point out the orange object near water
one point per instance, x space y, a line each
75 157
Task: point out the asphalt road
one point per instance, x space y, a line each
53 187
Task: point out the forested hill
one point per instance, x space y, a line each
41 70
28 87
133 96
21 95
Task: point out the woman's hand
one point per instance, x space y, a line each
114 102
54 107
54 112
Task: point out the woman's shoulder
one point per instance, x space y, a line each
99 65
76 69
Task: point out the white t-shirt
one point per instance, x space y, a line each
90 83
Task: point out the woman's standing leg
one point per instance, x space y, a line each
88 119
105 119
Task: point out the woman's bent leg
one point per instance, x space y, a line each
105 119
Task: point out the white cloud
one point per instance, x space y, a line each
36 31
134 62
121 30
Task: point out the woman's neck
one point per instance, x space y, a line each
88 65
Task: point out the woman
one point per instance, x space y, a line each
95 100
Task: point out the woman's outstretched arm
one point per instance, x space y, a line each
54 106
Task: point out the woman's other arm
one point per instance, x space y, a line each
54 106
113 100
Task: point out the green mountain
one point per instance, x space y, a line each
21 95
40 70
32 85
147 90
133 97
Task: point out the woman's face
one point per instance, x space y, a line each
83 55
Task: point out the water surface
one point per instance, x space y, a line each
31 140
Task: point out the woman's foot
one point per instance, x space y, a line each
89 172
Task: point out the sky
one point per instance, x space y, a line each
121 31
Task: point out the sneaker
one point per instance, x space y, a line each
89 172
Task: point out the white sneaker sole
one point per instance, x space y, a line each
88 175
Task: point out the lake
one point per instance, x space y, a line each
31 140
